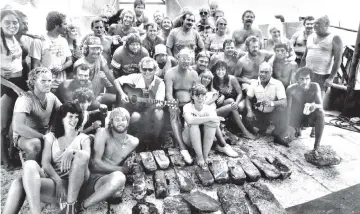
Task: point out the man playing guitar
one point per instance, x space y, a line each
150 113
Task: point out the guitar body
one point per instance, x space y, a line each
140 99
133 94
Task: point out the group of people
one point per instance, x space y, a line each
56 90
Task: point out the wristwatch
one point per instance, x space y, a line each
272 104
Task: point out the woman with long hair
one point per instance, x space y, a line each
206 79
230 96
65 159
72 35
11 70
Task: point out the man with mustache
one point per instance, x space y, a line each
185 37
126 58
148 117
158 17
100 76
32 114
152 38
81 80
247 68
305 92
112 145
202 62
298 40
239 36
125 25
230 56
266 101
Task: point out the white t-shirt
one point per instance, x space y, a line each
52 52
205 111
12 61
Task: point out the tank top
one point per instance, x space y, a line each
56 152
319 56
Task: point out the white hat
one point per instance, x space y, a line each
160 49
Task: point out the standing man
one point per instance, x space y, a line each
185 37
152 38
158 17
240 36
127 57
247 68
32 114
148 115
323 54
298 40
98 27
301 94
284 70
141 18
53 52
112 146
266 101
178 82
125 26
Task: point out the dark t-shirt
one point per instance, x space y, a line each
126 64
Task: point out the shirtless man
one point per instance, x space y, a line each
283 70
125 26
98 27
302 93
230 56
178 82
112 146
247 68
239 36
298 40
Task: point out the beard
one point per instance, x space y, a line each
119 131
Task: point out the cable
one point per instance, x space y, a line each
344 123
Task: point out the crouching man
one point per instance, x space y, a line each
304 105
112 146
200 119
266 102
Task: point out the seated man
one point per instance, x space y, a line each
148 114
247 68
300 95
178 82
32 114
112 146
164 61
270 97
199 115
283 69
202 62
67 88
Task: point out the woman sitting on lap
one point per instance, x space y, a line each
64 169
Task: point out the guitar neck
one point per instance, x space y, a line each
148 100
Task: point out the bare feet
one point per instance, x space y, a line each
249 136
200 162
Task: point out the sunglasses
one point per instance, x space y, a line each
222 24
203 13
148 69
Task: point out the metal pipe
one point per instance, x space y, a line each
342 28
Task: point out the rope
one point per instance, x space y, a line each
345 123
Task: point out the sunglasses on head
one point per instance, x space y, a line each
203 13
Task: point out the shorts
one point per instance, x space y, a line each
320 79
88 187
18 81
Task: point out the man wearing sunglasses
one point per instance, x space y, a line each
148 116
206 25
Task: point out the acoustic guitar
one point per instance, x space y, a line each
140 98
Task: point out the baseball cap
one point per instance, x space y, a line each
160 49
93 41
